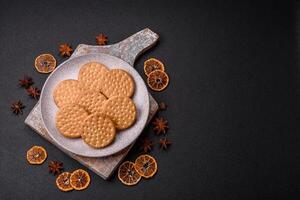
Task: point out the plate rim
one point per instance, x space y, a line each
84 154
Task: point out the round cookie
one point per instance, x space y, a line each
91 74
66 92
69 120
98 131
121 110
91 101
117 82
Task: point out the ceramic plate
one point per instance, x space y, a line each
69 70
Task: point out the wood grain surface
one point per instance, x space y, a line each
128 50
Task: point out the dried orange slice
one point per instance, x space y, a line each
45 63
63 182
127 173
158 80
36 155
80 179
145 165
153 64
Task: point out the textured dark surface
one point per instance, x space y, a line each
233 97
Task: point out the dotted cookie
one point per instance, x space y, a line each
91 74
69 120
121 110
98 131
117 82
91 101
66 92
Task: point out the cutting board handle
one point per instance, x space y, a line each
128 49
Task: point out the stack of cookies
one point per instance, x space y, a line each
95 106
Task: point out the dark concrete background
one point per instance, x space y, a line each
233 96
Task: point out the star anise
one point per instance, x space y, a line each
160 125
65 50
26 82
164 143
146 145
55 167
17 107
101 39
162 106
33 92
